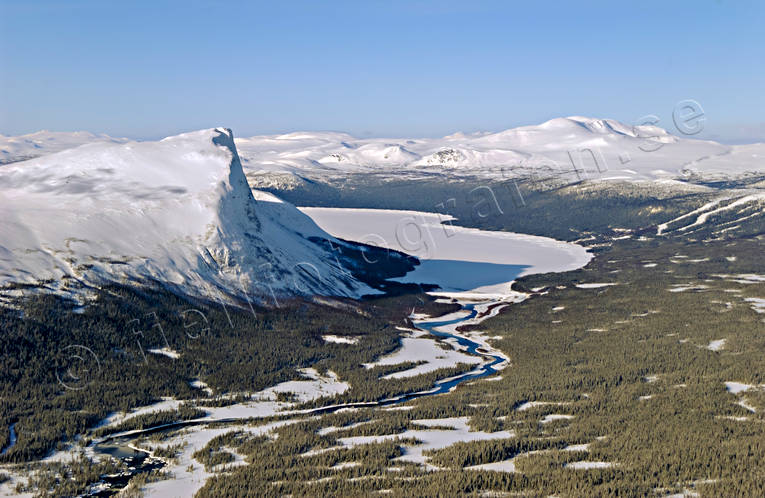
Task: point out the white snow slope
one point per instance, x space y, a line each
178 211
47 142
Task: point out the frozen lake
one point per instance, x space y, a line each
455 258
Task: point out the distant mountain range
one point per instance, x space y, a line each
577 148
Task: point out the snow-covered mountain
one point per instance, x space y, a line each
46 142
574 148
178 212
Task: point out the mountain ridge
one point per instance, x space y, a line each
179 211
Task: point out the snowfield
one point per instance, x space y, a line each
589 465
757 303
422 349
431 438
594 285
189 475
341 339
165 352
316 386
312 386
529 405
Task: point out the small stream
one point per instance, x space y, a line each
137 462
11 441
118 445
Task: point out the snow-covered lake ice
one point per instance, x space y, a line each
455 258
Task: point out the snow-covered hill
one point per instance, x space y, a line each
46 142
178 212
739 161
574 148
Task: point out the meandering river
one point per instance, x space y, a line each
121 445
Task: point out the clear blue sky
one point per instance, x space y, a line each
395 68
